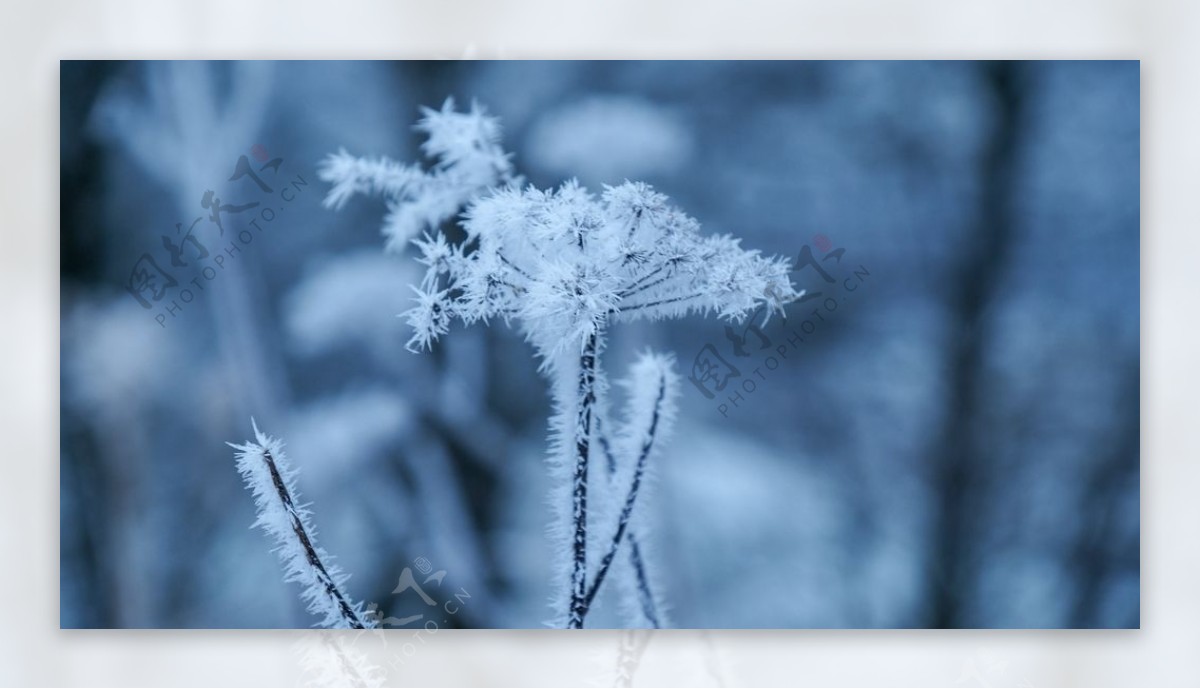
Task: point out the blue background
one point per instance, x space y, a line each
956 446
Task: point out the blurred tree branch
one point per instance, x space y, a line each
957 455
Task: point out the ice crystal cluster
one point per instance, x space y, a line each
564 265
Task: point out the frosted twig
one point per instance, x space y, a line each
266 472
583 425
646 599
653 385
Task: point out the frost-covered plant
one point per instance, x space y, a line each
271 480
565 265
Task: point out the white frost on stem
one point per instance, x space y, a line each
575 390
653 388
641 602
267 474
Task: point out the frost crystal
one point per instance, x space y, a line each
564 263
468 160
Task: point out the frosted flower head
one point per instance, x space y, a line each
634 204
563 263
566 264
437 255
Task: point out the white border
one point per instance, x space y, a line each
34 36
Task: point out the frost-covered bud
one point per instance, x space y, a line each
437 255
634 205
456 138
430 318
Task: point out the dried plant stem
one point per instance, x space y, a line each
583 433
645 594
314 561
265 469
630 499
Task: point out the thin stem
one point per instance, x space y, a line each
630 497
310 552
645 594
610 461
515 267
638 289
583 432
659 302
633 224
638 283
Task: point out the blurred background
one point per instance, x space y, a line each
955 445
